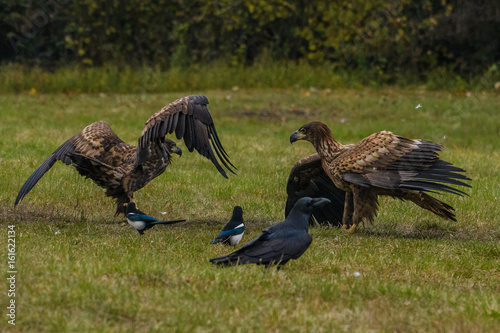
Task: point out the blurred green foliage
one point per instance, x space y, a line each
389 36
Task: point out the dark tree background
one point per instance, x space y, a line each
391 35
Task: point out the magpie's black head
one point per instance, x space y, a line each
172 147
237 212
130 207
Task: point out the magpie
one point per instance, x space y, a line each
233 231
140 221
280 243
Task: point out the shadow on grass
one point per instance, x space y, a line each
422 230
432 230
26 212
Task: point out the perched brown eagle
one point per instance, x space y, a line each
121 169
308 179
383 164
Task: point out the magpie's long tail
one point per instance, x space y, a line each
168 222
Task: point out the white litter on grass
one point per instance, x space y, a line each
163 213
58 233
356 274
342 120
418 106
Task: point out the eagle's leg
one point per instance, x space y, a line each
348 211
355 212
365 203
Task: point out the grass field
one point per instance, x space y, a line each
80 269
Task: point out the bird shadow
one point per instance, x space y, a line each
431 230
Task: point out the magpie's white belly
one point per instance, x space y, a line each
138 225
234 240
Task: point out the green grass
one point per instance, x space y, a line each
126 79
80 269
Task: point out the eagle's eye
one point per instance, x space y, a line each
172 145
302 130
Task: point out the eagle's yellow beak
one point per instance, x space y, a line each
297 135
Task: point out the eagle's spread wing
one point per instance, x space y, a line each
190 119
60 154
308 179
97 141
393 162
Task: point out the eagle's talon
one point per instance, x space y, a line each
352 229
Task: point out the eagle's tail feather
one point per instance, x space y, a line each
434 205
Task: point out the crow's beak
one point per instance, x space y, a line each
318 202
296 136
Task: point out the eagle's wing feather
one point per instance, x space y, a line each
97 141
393 162
60 154
190 119
308 179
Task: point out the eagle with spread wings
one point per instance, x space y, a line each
121 169
383 164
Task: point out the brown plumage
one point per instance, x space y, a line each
383 164
121 169
308 179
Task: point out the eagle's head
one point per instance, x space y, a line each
313 132
172 147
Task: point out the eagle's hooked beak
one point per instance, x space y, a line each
177 151
297 136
